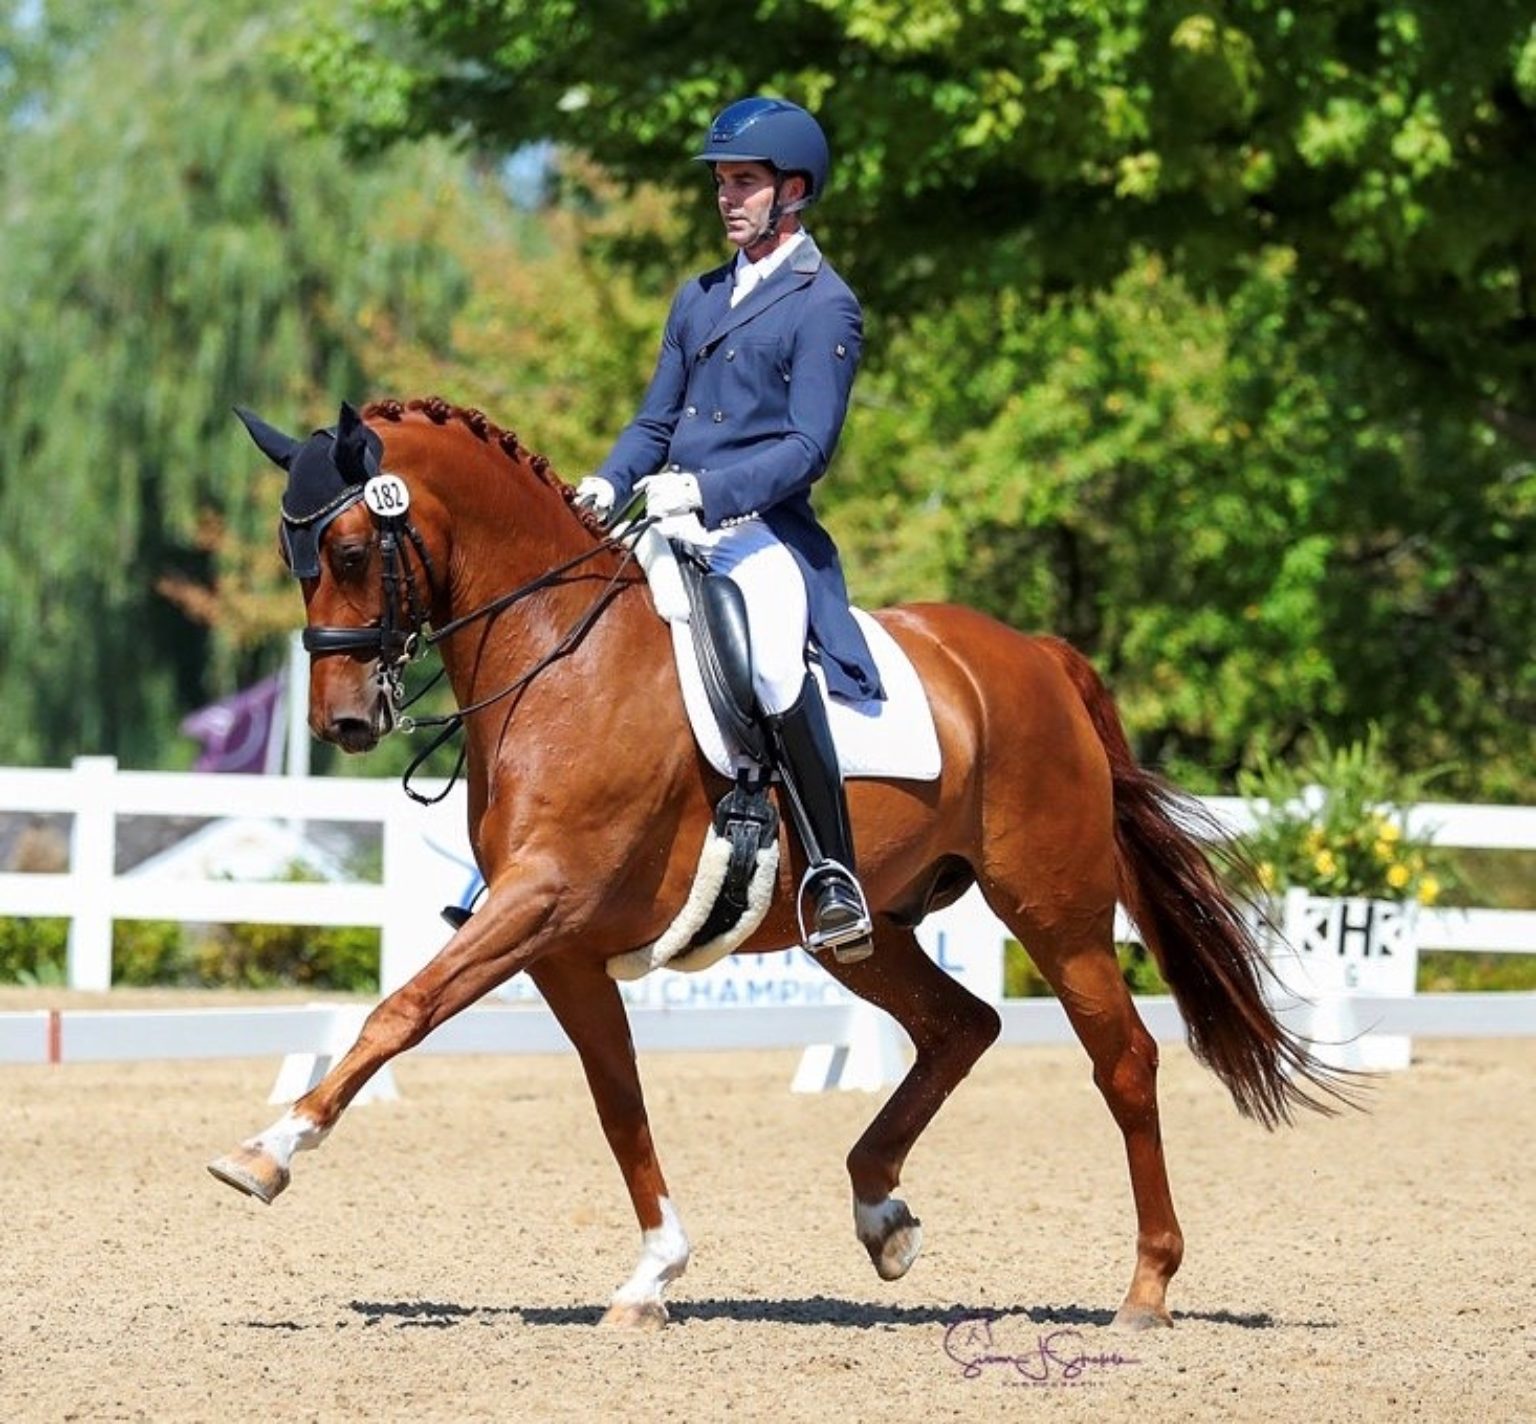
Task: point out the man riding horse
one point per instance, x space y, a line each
741 418
416 514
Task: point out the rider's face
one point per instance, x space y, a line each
744 194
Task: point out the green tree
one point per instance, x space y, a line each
174 239
1197 493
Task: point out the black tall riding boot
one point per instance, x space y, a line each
807 762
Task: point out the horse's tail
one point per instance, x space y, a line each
1207 951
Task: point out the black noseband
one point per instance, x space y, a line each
391 644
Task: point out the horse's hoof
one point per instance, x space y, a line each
1142 1317
897 1243
642 1315
252 1171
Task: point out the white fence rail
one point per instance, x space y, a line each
425 863
424 849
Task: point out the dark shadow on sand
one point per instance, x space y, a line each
812 1310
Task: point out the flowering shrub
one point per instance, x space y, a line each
1335 823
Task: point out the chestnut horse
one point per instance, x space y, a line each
588 804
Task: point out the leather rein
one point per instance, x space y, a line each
394 644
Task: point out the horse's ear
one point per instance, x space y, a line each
271 441
357 447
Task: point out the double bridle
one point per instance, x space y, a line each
394 644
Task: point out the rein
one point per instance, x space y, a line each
452 723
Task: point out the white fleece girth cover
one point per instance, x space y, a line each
707 880
895 738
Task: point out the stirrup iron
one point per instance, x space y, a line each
848 942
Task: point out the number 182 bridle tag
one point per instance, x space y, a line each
387 496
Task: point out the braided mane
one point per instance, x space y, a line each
482 427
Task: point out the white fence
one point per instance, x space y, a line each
425 863
425 859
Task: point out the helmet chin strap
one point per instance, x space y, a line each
776 213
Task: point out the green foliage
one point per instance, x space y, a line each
1440 972
149 952
33 950
1498 879
1037 144
273 956
160 952
1219 503
226 252
1200 337
1446 971
1334 822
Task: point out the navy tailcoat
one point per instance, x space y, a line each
751 400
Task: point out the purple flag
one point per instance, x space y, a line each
240 732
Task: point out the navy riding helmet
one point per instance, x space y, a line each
772 131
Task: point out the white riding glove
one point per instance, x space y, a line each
596 493
671 492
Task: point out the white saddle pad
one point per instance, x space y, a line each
895 738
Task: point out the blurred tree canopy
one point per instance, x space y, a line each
167 248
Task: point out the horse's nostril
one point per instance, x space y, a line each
352 734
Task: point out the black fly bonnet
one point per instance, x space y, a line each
327 474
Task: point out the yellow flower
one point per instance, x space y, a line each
1398 876
1266 875
1429 890
1314 841
1324 863
1383 850
1388 831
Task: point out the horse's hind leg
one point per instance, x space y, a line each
587 1003
1074 949
951 1028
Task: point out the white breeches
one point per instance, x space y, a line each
778 615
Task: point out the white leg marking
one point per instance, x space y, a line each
663 1259
293 1132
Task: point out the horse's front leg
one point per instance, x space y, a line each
587 1003
517 924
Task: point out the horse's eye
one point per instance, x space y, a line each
349 559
